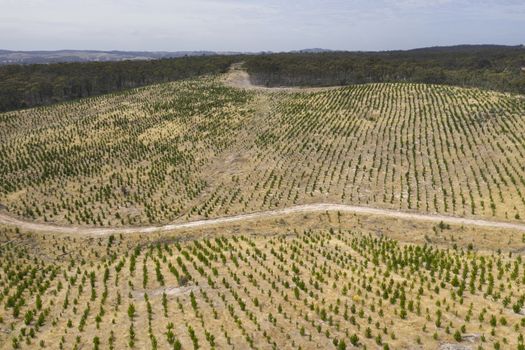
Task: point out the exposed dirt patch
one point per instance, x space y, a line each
169 290
238 78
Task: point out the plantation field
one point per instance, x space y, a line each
198 148
326 281
324 278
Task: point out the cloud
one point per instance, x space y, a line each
256 24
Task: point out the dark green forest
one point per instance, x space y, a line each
23 86
487 67
484 66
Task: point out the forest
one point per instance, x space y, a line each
483 66
24 86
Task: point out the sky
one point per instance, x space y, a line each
257 25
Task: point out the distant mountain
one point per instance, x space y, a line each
31 57
465 48
312 50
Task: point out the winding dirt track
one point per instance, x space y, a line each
307 208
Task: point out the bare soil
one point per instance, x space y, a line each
307 208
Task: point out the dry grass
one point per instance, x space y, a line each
199 149
196 149
297 281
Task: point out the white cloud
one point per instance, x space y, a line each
256 24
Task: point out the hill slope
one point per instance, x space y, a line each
330 278
312 289
197 149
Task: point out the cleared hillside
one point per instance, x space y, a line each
196 149
25 86
291 289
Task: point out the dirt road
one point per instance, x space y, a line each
238 78
308 208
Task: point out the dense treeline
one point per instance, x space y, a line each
488 67
23 86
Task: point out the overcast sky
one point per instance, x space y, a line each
255 25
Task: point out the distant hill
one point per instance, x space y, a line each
36 57
62 56
313 50
8 57
467 48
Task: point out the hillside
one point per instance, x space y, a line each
24 86
199 149
264 286
216 146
